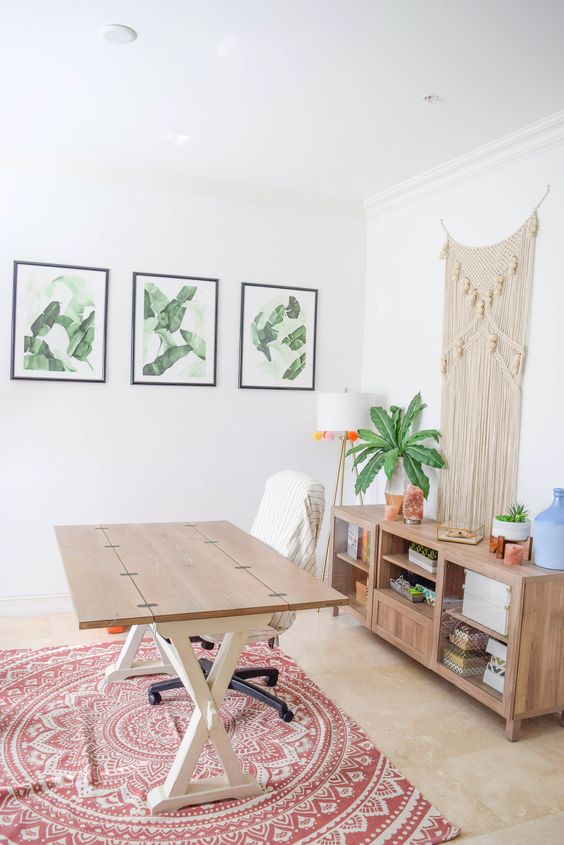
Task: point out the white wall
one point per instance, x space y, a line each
87 453
404 301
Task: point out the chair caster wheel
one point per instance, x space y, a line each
154 697
271 682
287 716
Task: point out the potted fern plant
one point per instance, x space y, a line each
398 449
513 525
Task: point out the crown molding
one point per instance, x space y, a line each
530 140
215 188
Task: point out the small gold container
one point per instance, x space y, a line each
460 532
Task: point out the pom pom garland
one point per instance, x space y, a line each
329 435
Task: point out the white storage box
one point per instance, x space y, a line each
494 674
497 649
487 601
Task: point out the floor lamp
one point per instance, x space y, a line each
341 414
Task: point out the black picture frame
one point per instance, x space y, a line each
313 292
134 378
14 373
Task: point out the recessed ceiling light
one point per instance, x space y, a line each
177 138
117 33
431 98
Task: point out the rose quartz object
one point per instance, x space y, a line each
513 554
390 513
413 504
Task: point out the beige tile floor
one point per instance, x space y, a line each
451 747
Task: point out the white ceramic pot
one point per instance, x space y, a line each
511 530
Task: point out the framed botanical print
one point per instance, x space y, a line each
59 317
174 334
278 334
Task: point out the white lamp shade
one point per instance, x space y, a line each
342 411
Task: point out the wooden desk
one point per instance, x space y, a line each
172 580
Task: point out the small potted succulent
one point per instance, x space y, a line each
513 525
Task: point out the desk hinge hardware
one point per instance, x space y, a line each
128 574
211 541
148 604
242 567
111 546
277 595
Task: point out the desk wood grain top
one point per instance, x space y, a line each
156 572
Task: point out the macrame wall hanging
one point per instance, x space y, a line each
486 309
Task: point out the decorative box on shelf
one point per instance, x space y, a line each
494 673
464 663
460 532
361 590
487 601
467 638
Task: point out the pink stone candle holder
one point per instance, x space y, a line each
390 513
513 554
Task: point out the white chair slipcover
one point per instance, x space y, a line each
289 521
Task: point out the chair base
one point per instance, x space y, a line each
239 682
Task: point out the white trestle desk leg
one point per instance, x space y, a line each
126 667
179 790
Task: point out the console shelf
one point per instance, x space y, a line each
404 562
534 680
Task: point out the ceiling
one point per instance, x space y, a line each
322 97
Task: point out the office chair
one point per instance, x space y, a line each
289 521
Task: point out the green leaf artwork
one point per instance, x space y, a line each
296 338
61 334
295 368
277 332
173 345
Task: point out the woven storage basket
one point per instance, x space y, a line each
468 638
465 663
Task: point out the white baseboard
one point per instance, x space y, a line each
35 605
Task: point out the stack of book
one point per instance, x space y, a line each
423 556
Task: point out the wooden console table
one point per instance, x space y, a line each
534 679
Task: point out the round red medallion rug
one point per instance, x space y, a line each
78 758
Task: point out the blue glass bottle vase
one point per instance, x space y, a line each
548 545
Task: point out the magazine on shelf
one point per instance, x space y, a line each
352 540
